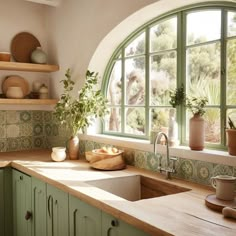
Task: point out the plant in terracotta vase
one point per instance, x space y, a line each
177 97
231 135
78 112
196 124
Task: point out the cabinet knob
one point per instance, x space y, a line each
21 177
28 215
114 223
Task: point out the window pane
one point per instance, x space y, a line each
113 120
135 121
212 125
203 26
162 77
135 81
231 73
231 21
136 47
163 36
203 72
160 119
232 114
114 87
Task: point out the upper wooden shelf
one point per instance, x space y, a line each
8 101
17 66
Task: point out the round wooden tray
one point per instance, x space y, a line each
216 204
22 45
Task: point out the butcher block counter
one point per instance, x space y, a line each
181 214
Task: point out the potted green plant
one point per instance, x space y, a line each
78 112
231 135
196 124
177 98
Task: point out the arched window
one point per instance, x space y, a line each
194 47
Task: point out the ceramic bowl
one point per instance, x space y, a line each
58 153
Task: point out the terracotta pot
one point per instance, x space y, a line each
231 134
73 147
196 133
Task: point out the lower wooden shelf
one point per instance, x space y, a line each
7 101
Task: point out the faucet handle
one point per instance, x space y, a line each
173 160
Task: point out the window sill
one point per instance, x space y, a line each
213 156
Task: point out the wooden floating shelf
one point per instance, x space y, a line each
9 101
17 66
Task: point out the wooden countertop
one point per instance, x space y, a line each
177 214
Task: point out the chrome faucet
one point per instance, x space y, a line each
169 168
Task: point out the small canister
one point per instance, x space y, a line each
43 92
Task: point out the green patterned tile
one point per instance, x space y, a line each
12 117
38 129
26 129
3 117
37 116
3 131
47 116
140 159
152 162
38 142
12 131
13 144
185 169
26 143
3 144
48 129
222 170
204 172
55 131
25 116
81 147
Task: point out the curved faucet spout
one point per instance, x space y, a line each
168 169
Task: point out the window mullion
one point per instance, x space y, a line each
181 73
123 97
223 73
147 81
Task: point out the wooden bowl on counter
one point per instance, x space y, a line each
105 161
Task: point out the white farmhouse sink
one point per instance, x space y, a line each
136 187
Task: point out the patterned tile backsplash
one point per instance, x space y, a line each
23 130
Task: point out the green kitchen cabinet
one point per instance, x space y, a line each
39 207
85 220
22 212
5 202
2 210
114 227
57 212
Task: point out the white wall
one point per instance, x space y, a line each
77 27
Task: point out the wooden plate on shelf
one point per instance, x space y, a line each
15 81
216 204
22 45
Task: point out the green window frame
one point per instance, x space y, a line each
181 77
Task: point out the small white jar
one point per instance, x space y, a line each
58 153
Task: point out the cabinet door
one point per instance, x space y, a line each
85 220
39 207
57 212
21 204
114 227
2 211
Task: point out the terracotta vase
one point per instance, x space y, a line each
196 133
231 135
73 147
